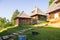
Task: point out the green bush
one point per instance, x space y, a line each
7 24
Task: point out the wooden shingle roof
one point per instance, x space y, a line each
23 15
54 6
36 11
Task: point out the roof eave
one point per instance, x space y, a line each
52 11
37 14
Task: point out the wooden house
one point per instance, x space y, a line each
53 12
37 15
22 19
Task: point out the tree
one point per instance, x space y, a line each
50 2
2 21
14 16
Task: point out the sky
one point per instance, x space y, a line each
7 7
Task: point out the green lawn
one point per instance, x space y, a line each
44 34
15 29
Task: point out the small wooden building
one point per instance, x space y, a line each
53 12
22 19
37 15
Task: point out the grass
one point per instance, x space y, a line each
44 34
11 30
3 29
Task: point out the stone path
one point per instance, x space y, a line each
14 34
0 38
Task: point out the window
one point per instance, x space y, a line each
56 15
41 17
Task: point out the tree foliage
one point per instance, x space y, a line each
13 16
4 22
50 2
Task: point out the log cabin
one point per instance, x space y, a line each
53 12
22 19
37 15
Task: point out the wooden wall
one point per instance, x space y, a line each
23 21
17 21
51 15
36 19
27 21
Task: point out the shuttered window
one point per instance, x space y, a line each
56 15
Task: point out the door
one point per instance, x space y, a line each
21 21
